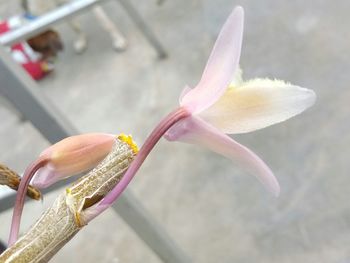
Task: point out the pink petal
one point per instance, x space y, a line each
195 131
185 90
220 67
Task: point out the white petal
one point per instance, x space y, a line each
257 104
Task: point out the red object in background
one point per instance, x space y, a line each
23 54
3 27
35 69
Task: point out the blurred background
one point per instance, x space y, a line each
214 210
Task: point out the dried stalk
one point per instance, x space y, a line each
65 217
12 179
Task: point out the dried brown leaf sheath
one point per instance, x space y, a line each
12 179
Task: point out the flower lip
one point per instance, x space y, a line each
256 104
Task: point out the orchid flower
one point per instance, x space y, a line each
207 113
217 106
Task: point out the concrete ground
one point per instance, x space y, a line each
216 212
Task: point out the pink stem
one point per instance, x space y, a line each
21 193
150 142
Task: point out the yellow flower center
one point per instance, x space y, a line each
128 139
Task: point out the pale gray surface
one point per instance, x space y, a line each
215 211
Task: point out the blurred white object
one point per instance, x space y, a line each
40 7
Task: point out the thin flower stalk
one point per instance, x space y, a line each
146 148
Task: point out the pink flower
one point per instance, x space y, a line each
219 106
222 103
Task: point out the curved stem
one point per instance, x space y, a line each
149 144
19 203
